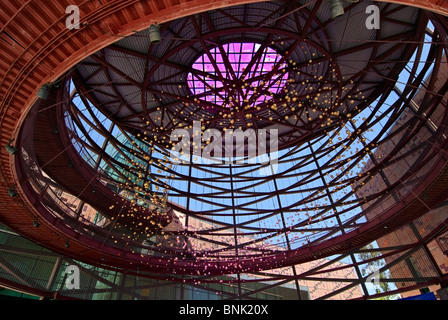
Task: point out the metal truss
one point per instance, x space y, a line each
361 122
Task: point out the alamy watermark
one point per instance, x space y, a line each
72 21
374 275
372 21
72 280
232 146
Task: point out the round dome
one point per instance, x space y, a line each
248 138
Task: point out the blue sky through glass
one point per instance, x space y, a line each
305 197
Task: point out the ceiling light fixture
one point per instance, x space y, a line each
11 150
154 34
337 9
12 192
42 93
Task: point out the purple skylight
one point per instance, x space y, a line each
238 75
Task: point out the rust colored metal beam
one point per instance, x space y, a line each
31 58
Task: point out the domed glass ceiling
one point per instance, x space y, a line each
330 100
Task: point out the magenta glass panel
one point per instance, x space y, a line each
229 75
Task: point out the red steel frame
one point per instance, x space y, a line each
22 67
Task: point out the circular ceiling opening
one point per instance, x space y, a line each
238 76
343 120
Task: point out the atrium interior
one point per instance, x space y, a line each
224 150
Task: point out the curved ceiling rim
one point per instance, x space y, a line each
169 13
173 10
304 255
25 99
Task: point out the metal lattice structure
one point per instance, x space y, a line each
356 149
